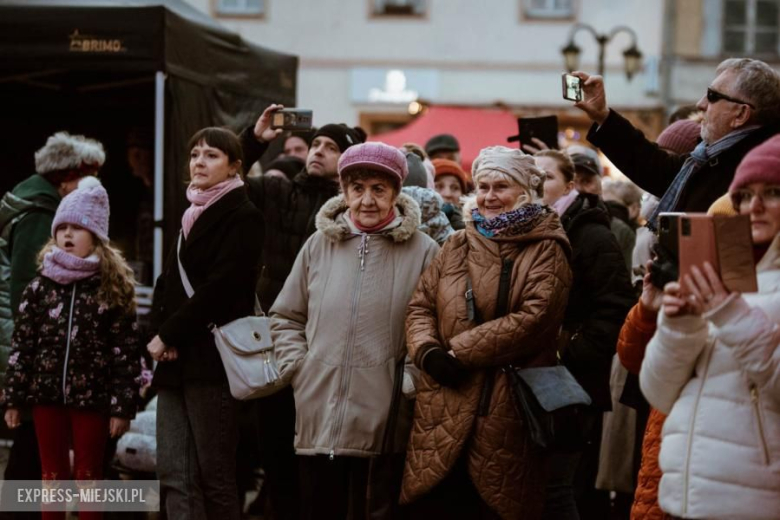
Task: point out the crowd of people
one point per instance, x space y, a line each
400 289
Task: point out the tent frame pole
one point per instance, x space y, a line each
159 146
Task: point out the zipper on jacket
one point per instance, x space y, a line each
67 342
686 471
345 376
754 398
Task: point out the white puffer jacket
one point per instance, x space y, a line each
718 378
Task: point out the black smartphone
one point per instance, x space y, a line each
666 261
669 232
544 128
572 87
292 119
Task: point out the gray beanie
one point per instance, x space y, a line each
418 176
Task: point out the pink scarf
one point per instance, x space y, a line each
561 205
389 218
66 268
201 200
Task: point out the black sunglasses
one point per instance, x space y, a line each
713 96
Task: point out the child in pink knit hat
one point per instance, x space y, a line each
76 353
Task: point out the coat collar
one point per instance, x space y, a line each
771 259
330 219
227 204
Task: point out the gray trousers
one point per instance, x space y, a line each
197 435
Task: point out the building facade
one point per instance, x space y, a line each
364 61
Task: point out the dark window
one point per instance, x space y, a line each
750 27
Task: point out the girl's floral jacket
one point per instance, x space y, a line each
68 349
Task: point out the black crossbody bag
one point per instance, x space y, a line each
549 399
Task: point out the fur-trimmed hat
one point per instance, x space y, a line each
67 152
86 206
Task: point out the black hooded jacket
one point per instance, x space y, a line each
600 297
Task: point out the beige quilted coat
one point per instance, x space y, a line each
507 470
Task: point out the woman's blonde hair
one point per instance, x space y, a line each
117 281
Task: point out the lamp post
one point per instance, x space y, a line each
571 53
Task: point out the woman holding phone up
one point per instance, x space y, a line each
714 367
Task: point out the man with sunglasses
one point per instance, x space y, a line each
741 110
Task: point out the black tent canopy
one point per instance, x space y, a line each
101 67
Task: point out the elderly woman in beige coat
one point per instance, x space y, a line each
338 328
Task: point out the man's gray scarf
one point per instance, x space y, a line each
700 156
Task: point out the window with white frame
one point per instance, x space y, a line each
550 9
240 7
750 27
399 7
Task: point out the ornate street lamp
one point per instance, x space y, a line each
632 55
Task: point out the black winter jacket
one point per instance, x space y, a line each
653 169
220 258
600 297
103 355
289 210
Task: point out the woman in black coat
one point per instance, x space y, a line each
197 426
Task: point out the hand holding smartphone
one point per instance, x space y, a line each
572 87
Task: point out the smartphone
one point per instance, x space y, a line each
292 119
666 261
572 87
697 245
543 128
668 233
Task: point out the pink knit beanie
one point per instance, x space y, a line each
86 206
761 164
377 157
680 137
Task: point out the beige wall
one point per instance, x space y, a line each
484 52
688 28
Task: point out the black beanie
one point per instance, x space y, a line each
342 135
290 166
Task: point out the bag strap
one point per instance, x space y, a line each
502 305
185 280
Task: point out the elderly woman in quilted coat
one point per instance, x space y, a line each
469 454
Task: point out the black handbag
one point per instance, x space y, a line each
551 402
553 405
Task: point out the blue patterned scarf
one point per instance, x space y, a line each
698 158
515 222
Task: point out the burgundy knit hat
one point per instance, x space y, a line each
680 137
447 167
87 207
761 164
377 157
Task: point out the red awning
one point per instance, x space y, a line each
474 128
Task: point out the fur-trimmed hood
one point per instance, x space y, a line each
64 151
331 219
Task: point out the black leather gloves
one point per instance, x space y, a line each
445 369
